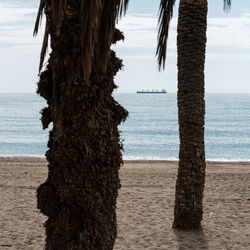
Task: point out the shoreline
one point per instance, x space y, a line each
139 161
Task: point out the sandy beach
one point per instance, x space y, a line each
144 208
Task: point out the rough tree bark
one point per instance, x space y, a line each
191 43
84 155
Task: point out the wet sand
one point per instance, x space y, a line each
144 208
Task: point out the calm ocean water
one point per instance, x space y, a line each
151 131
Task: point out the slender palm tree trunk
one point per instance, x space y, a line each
84 156
191 43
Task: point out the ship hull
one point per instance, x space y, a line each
140 92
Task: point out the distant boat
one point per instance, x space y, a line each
153 91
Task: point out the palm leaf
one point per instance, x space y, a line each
44 46
97 27
110 13
39 17
166 13
90 19
227 5
58 13
122 6
105 32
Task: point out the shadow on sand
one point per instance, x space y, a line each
192 239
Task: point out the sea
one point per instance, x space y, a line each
150 132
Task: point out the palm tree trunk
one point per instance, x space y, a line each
191 43
84 155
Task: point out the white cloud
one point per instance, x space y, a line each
16 25
229 32
10 15
141 31
228 57
19 50
227 49
228 39
11 36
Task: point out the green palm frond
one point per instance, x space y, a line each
227 5
166 13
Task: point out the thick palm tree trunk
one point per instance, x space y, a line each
84 156
191 42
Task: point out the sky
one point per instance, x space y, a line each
227 68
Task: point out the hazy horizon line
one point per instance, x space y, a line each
134 92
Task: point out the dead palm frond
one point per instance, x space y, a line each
111 11
122 6
39 17
97 20
44 46
90 19
58 14
227 5
166 13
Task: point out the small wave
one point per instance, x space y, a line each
127 158
21 155
229 159
149 158
176 159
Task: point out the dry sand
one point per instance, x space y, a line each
144 209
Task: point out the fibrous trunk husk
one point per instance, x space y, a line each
84 148
191 42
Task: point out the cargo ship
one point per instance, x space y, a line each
153 91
